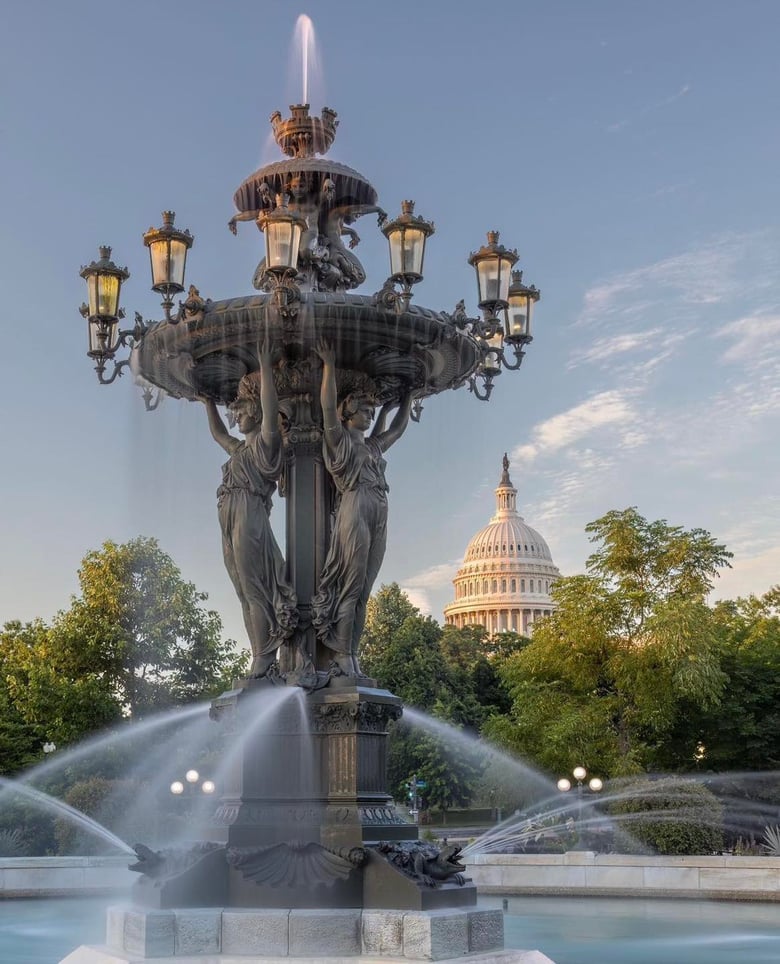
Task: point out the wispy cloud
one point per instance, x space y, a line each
623 352
705 275
756 339
419 585
649 108
611 409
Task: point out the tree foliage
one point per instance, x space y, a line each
443 673
630 643
743 731
136 639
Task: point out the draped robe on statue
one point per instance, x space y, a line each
357 544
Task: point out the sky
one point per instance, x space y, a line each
629 151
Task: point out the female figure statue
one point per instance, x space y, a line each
252 557
359 536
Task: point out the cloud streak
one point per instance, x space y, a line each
610 409
649 108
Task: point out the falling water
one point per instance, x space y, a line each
536 785
53 805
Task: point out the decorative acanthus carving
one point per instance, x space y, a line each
295 864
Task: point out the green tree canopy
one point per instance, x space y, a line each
442 673
137 639
631 642
743 731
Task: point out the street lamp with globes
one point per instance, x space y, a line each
595 785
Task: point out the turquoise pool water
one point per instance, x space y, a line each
605 930
43 931
580 930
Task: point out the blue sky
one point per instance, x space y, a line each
630 151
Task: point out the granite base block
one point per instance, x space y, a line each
332 932
435 935
232 936
244 931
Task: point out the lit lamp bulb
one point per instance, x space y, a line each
579 773
177 787
191 776
564 784
596 784
208 786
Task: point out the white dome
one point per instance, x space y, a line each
507 572
509 537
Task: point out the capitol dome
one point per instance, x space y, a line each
504 582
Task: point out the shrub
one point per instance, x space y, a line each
105 801
668 816
772 841
12 844
34 826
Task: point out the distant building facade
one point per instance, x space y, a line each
504 582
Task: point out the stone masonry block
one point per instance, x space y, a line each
256 932
115 927
435 935
383 932
198 931
486 930
320 933
150 933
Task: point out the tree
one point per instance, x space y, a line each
403 650
136 640
20 739
631 642
57 687
386 612
743 731
147 628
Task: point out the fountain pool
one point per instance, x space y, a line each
41 931
579 930
630 930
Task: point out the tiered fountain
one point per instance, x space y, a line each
302 364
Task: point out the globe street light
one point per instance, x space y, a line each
595 785
191 783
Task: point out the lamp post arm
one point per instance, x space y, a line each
519 356
473 387
118 366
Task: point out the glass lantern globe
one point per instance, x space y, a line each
283 229
406 236
168 247
493 263
104 283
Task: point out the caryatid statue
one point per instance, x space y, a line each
359 535
252 557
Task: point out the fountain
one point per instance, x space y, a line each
305 851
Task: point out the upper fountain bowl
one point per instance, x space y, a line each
302 135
